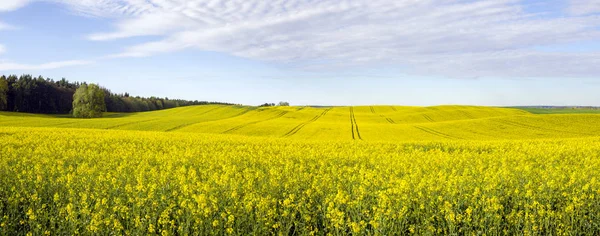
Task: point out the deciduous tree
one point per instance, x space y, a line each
88 101
3 93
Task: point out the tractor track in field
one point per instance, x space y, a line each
279 115
192 123
300 126
182 126
149 120
435 132
130 123
393 108
372 109
428 118
526 126
467 114
389 120
197 122
211 110
354 125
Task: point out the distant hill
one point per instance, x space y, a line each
560 109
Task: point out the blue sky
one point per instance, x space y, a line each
314 52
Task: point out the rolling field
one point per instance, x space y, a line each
368 123
375 170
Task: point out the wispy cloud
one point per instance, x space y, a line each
459 37
149 24
11 5
462 38
5 66
113 8
511 63
4 26
583 7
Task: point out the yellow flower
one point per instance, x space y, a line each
151 228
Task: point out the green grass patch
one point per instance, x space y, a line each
559 110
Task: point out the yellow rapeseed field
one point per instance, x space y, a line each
368 123
229 170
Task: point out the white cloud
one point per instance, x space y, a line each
512 63
453 38
109 8
148 24
583 7
4 26
6 66
11 5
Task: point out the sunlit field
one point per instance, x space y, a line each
367 123
374 170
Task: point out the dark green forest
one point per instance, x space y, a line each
26 93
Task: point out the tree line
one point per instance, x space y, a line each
281 104
26 93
